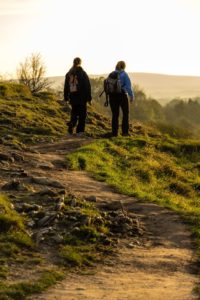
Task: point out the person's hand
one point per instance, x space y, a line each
131 98
61 102
90 102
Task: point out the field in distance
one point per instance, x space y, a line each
161 87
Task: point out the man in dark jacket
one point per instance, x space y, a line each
77 90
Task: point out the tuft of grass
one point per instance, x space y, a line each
85 243
9 249
3 272
13 237
89 233
20 239
181 188
77 256
21 290
9 219
10 90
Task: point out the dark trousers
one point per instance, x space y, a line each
118 101
78 114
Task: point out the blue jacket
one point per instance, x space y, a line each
126 83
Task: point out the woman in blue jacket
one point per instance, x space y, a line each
121 100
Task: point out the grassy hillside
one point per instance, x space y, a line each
157 169
27 119
150 165
24 268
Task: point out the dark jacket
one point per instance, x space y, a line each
83 95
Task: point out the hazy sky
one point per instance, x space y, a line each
157 36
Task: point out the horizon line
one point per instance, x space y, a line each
136 72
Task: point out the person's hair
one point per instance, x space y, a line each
76 62
121 65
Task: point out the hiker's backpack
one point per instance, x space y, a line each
73 83
112 84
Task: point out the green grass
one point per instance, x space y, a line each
154 168
161 170
14 90
80 247
9 219
15 248
21 290
26 119
78 256
13 237
84 245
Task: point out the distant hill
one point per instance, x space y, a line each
161 87
167 87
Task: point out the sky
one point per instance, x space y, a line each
154 36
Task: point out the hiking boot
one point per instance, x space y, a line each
114 134
126 134
108 135
80 134
70 129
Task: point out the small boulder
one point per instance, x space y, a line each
15 185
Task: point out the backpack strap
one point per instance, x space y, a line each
101 93
107 100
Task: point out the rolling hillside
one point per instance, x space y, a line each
161 87
167 87
57 222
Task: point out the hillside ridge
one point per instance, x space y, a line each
159 86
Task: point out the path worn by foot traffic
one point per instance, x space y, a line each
159 266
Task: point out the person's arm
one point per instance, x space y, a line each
66 89
127 86
87 88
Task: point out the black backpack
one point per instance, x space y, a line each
111 85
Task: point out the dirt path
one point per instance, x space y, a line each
157 267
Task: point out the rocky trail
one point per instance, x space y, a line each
156 265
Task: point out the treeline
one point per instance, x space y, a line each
179 117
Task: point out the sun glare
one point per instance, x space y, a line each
152 36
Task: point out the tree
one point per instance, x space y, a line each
32 73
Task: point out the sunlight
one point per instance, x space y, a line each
151 36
